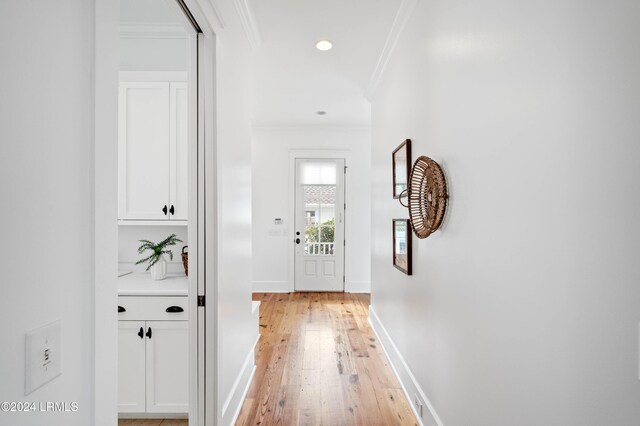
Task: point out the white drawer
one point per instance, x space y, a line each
153 308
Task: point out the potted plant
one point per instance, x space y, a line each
157 263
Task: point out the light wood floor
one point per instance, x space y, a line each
319 363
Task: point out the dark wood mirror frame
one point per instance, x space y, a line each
404 149
407 269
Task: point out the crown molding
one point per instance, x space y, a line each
215 16
399 23
152 30
248 22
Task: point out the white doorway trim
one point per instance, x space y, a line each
320 154
105 206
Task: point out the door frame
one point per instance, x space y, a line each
321 155
203 399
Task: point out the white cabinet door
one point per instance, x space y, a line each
168 367
178 141
143 142
131 367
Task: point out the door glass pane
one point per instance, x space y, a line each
327 212
318 173
326 234
319 207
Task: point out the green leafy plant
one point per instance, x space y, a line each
157 249
325 235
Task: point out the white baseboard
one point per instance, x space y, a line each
271 287
233 403
406 378
358 287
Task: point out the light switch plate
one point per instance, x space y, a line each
42 356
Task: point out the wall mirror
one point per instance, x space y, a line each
402 245
401 167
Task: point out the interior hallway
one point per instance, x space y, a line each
319 363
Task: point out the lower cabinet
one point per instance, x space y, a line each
131 367
153 367
167 367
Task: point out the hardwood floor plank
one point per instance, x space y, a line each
319 363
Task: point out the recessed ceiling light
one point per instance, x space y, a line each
324 45
321 112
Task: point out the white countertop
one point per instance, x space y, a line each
141 284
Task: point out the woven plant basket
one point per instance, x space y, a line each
185 260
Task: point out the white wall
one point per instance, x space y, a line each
153 54
46 166
524 308
271 199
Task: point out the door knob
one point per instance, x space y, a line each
149 333
172 210
121 309
164 210
141 333
297 240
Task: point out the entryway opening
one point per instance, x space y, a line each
160 340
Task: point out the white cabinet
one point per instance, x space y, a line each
167 367
131 367
153 151
153 355
178 151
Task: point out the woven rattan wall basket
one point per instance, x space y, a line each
427 196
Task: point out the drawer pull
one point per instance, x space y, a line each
174 309
121 309
141 333
149 333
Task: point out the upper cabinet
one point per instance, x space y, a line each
153 156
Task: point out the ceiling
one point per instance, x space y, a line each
294 80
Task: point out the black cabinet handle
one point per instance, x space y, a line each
297 240
164 210
121 309
172 210
149 333
141 333
174 309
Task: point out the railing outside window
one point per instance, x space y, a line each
319 249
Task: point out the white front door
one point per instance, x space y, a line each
319 225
